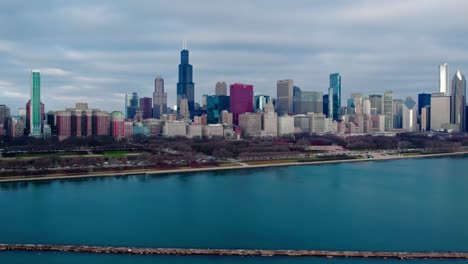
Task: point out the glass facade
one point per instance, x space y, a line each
241 100
35 109
334 96
185 86
214 105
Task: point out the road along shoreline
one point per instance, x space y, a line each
232 252
145 172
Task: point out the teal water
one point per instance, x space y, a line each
410 205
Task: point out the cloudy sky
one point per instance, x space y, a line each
95 51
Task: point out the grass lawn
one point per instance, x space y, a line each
262 162
42 155
228 164
115 153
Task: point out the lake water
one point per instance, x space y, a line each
404 205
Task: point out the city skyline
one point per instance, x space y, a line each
254 48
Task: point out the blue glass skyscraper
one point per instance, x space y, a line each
334 96
185 86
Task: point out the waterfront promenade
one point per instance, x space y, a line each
239 165
233 252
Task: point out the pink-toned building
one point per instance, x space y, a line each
100 123
241 100
117 124
63 122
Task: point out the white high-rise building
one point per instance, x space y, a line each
285 125
444 78
270 121
410 115
284 96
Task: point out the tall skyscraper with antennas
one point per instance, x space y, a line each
185 86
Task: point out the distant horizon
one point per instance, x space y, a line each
95 52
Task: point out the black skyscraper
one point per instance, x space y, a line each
185 86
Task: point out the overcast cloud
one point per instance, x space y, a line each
95 51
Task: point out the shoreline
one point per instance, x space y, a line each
149 172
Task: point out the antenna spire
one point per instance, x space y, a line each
184 44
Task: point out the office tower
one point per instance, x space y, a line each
325 105
63 121
22 113
444 78
387 109
28 116
284 96
424 100
226 117
397 113
458 101
425 118
410 115
35 108
334 97
376 102
185 86
175 128
214 105
251 124
285 125
270 121
146 107
318 123
308 102
131 105
296 92
4 114
15 126
260 102
440 111
366 107
128 129
302 122
221 88
184 108
159 98
241 100
100 123
117 125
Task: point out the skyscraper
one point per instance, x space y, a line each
424 101
159 98
284 96
440 111
397 113
241 100
146 107
410 115
458 104
376 103
35 109
185 86
221 88
325 107
260 102
334 96
388 109
307 102
443 78
131 105
214 105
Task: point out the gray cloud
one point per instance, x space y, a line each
95 51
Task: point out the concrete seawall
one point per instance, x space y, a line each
233 252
